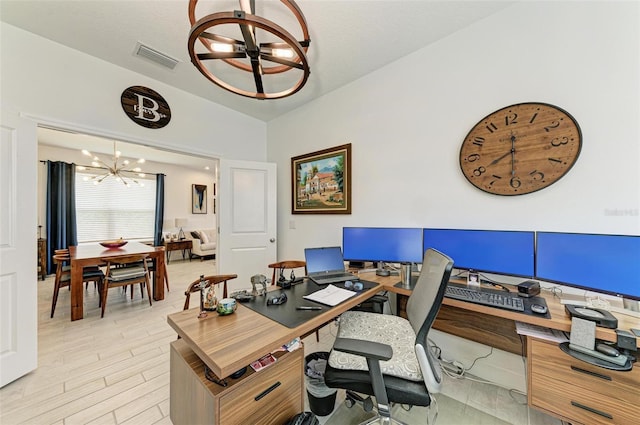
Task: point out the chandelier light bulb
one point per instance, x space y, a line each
126 162
282 53
141 161
222 47
86 152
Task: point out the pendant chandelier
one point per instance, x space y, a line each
118 170
223 43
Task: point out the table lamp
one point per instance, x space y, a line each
181 222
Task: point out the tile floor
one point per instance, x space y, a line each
115 370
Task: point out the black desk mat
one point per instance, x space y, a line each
286 314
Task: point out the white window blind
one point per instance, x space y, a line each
111 210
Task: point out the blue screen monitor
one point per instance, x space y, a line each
387 244
492 251
600 263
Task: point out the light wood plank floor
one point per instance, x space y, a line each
115 370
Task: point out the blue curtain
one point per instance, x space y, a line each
157 227
61 208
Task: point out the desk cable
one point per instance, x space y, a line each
457 370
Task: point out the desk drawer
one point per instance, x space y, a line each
580 404
548 360
278 385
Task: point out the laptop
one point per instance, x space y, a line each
326 265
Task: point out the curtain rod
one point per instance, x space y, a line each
101 168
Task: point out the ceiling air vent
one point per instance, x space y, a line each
155 56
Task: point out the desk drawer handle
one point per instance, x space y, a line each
267 391
588 372
592 410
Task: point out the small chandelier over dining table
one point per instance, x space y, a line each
224 42
118 170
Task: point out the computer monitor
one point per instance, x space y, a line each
594 262
386 244
492 251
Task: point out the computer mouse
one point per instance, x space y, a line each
538 308
607 349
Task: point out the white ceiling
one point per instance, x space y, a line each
349 38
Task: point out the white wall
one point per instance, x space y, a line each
407 121
178 181
55 83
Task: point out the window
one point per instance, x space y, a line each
111 210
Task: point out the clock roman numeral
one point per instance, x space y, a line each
478 141
491 127
533 118
559 161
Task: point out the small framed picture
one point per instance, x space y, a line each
473 279
198 198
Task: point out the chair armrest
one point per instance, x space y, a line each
359 347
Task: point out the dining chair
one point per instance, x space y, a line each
283 266
126 271
210 280
67 266
63 276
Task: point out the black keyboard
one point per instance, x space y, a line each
488 297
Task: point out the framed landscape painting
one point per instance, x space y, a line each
321 182
198 198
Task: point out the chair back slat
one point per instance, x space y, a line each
286 265
210 280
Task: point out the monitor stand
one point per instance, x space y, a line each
408 280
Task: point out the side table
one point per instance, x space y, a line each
42 258
183 245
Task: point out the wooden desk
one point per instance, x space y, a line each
558 384
91 254
228 343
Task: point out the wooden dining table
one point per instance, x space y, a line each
94 254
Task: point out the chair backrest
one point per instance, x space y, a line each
422 309
60 260
117 275
210 280
286 265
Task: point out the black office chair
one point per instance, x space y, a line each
387 356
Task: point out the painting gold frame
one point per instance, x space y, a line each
321 181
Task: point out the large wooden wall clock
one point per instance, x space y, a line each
520 149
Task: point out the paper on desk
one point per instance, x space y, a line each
540 332
331 295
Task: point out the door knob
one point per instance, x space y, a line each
272 240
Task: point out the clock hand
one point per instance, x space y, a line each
513 155
495 161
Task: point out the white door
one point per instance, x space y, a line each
18 247
247 220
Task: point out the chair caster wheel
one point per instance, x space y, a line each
367 404
349 403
